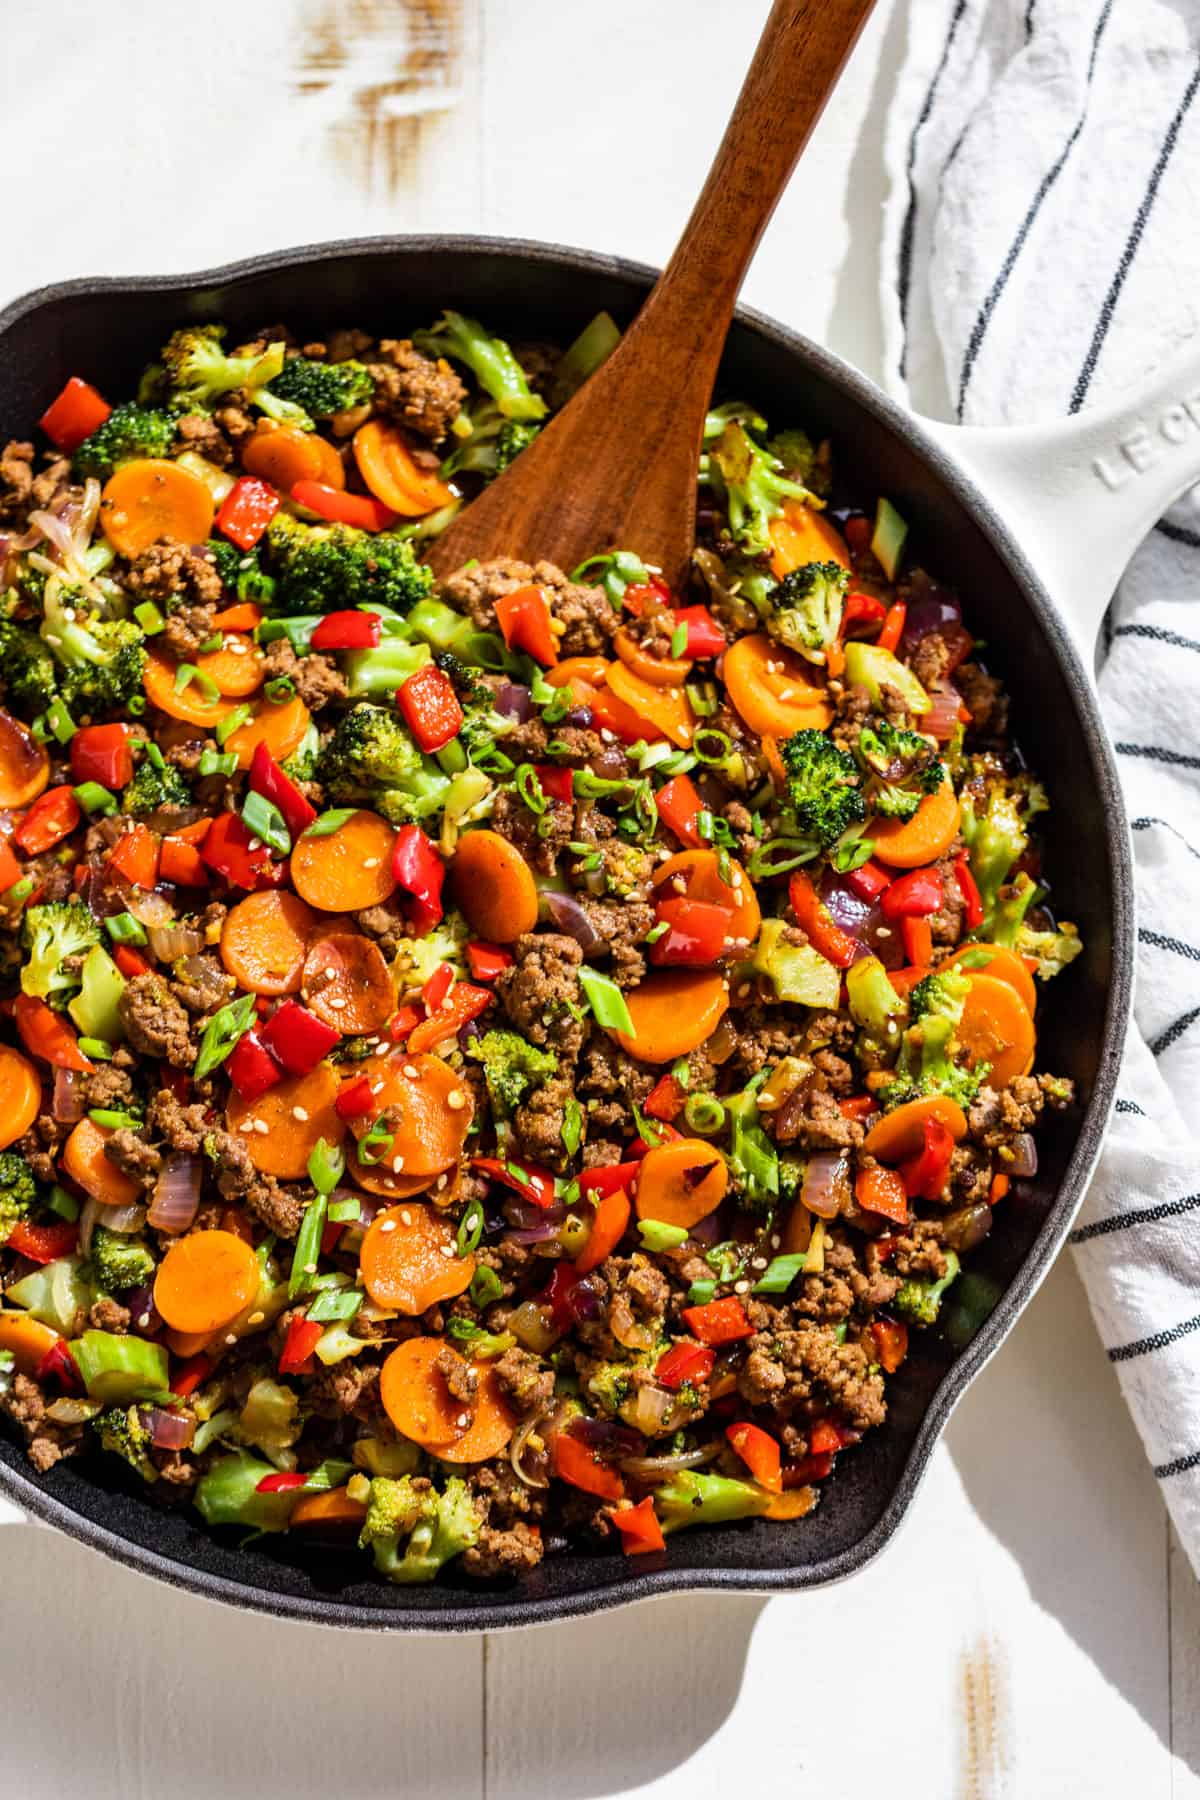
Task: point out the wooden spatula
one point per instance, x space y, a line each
617 467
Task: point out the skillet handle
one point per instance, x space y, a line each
1080 494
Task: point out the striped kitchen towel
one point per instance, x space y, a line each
1042 255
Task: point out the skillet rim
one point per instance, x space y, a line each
640 1585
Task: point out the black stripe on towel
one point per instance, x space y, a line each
1175 945
1146 824
1160 1341
909 231
1180 1466
1157 753
1157 635
1179 534
1129 1106
1142 1215
1174 1032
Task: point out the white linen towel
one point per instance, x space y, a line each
1042 255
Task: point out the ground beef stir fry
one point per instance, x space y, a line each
498 1066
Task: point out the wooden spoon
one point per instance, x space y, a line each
617 466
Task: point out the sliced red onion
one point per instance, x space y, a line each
88 1215
151 909
525 1215
625 1328
533 1234
128 1220
145 1320
826 1186
928 610
585 1299
941 721
966 1229
536 1476
706 1230
469 1032
651 1408
1025 1157
844 906
67 1103
513 701
168 1430
569 915
176 1198
170 943
883 940
581 717
652 1468
607 1437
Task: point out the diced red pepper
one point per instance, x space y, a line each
532 1183
420 871
486 961
692 1363
857 1106
893 627
135 856
74 415
925 1174
438 986
575 1463
252 1068
47 1035
191 1374
665 1100
638 593
247 510
297 1038
809 1468
639 1529
611 714
760 1453
299 1344
704 636
695 935
329 1237
43 1243
177 1082
720 1322
130 962
226 851
558 784
430 707
349 630
52 817
405 1019
824 1438
862 614
891 1343
834 944
10 868
969 889
281 1482
462 1004
868 881
268 779
102 753
180 860
361 510
912 896
564 1277
355 1100
881 1190
678 804
608 1177
917 937
858 532
59 1365
527 623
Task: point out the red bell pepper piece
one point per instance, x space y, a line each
881 1190
59 1365
269 780
52 817
695 935
135 856
47 1035
704 635
420 871
969 889
617 716
43 1243
720 1322
809 1468
635 596
608 1177
868 882
824 1438
575 1463
252 1068
558 783
430 708
665 1100
912 896
226 851
925 1174
247 510
532 1183
486 961
297 1038
863 611
462 1004
351 630
834 944
191 1374
893 627
298 1346
917 938
281 1482
692 1363
760 1453
179 859
74 415
438 986
10 868
362 510
404 1020
640 1531
130 962
355 1100
891 1343
527 623
102 753
678 804
858 1107
556 1295
663 1134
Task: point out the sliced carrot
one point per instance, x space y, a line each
24 764
27 1340
332 1511
151 499
416 1398
608 1228
896 1136
242 616
591 671
379 1178
696 875
793 1503
347 983
280 725
408 1261
284 455
346 870
205 1280
84 1161
493 887
265 939
774 691
681 1183
1002 964
673 1011
429 1109
492 1421
193 704
389 469
799 535
996 1028
659 671
664 709
236 668
911 843
281 1127
20 1095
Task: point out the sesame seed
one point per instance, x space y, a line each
397 1164
231 1339
447 1249
372 1040
301 1113
69 612
741 1287
55 641
883 931
759 1262
331 973
256 1318
679 884
237 647
336 1001
607 736
440 1183
787 693
463 1420
776 1240
743 989
310 1268
411 1071
144 1320
260 1125
456 1099
377 1087
381 1049
390 1224
774 668
405 1216
254 844
370 862
246 1125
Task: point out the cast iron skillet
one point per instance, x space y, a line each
106 330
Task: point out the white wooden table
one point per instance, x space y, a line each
1034 1631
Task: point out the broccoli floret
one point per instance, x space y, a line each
805 608
512 1068
101 659
692 1499
371 758
610 1386
901 767
1052 950
752 485
919 1300
489 359
996 839
118 1261
30 677
241 571
301 765
51 934
470 690
925 1064
317 390
794 450
326 568
417 958
129 431
153 787
494 443
197 374
436 1526
122 1433
18 1191
823 786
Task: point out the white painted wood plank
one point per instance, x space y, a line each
1185 1671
